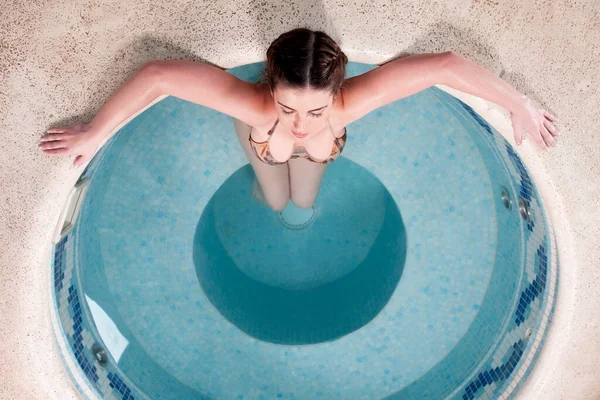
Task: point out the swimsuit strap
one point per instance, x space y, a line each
273 128
333 134
330 128
269 133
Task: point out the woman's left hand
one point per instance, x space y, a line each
531 117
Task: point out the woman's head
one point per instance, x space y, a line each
305 71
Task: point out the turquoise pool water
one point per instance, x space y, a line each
412 281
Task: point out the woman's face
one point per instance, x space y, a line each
304 112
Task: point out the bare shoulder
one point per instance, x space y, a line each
213 87
394 80
268 114
341 115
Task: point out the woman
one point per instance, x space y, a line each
293 125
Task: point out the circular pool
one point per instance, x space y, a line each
426 269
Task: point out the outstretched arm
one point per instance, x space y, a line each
409 75
189 80
392 81
526 115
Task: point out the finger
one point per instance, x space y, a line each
537 137
550 116
551 128
56 130
53 145
56 136
56 152
519 137
548 139
78 161
81 160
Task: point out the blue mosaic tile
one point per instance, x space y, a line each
78 349
535 288
526 185
59 263
500 373
477 118
117 383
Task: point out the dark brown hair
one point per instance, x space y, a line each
302 58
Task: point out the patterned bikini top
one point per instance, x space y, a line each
261 149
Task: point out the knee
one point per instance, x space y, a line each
276 199
278 203
303 202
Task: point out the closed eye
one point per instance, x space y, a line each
311 114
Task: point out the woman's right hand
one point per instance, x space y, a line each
80 140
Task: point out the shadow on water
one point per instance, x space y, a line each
335 307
